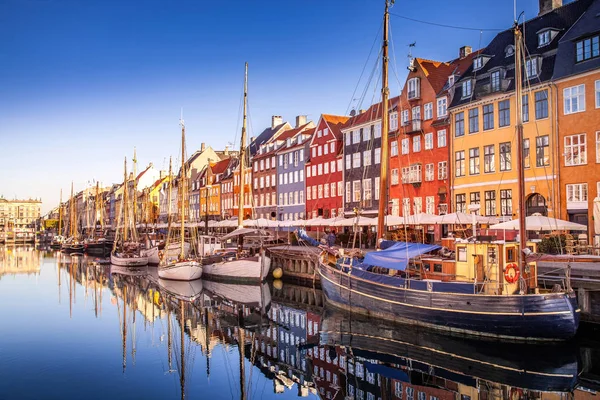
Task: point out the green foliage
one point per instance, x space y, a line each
552 244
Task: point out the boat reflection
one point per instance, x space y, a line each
19 260
306 349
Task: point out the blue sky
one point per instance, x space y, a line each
83 82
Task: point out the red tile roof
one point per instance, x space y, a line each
373 113
335 123
290 133
220 166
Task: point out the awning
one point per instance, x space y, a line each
397 255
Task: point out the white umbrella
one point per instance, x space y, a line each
362 221
421 219
597 220
541 223
459 218
392 220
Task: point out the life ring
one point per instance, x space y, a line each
511 273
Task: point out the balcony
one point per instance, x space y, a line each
413 126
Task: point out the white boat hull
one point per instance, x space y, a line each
128 261
153 253
181 271
183 290
254 269
258 296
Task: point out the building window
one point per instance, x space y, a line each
575 150
505 157
332 190
544 38
340 189
367 133
393 121
441 138
356 191
466 88
429 172
377 131
377 182
367 190
490 202
577 192
495 81
416 144
418 205
525 106
541 104
442 107
504 113
459 124
395 176
489 162
428 111
356 160
474 120
429 141
366 160
414 89
348 140
442 170
477 63
430 205
347 199
377 155
414 175
531 67
598 147
597 84
461 203
526 154
394 148
587 49
574 99
474 161
506 202
475 198
542 151
488 117
459 159
356 136
404 117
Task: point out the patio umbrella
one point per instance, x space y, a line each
539 222
421 219
460 218
362 221
392 220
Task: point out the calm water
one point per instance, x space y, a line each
72 328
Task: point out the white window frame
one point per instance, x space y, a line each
575 150
377 155
442 138
394 148
356 160
467 88
442 107
574 99
428 111
416 144
442 170
429 141
429 172
577 192
405 146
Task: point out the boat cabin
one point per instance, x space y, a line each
208 245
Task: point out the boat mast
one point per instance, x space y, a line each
182 190
182 350
124 205
60 214
71 213
135 196
519 133
243 152
385 90
169 197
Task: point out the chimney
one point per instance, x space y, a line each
464 51
276 120
300 120
226 151
361 111
548 5
202 146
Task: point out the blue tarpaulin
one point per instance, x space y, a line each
304 236
397 255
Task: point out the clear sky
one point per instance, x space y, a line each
83 82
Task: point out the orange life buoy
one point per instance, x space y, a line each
511 273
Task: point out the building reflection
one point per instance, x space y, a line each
19 260
305 348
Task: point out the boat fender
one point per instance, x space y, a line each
161 255
511 273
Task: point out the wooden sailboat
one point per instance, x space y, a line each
242 269
58 239
184 265
73 244
479 293
126 252
97 244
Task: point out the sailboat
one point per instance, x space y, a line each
97 244
126 252
58 239
241 269
184 265
73 244
479 292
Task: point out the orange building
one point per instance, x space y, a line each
577 81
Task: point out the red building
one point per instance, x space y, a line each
324 169
419 178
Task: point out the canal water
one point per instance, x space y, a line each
75 328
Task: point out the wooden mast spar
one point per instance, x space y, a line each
242 162
182 191
385 91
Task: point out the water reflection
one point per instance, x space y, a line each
188 339
19 260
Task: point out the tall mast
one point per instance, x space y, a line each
169 196
96 208
182 350
519 132
243 152
384 128
135 196
71 213
182 189
60 212
124 205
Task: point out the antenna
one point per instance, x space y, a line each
411 59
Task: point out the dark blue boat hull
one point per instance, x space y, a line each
552 316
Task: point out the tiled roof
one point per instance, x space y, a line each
308 132
335 123
220 166
290 133
264 137
561 19
373 113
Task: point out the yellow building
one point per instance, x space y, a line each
18 218
483 112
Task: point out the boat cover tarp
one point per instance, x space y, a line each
388 372
304 236
397 255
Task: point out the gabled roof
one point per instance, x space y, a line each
265 136
308 132
335 123
373 113
290 133
220 166
560 19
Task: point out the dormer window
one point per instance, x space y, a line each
495 82
532 67
414 89
477 63
587 48
451 81
543 38
467 88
